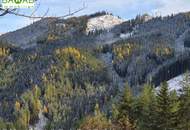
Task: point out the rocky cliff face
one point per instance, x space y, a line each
104 22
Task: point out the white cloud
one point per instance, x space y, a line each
129 8
172 6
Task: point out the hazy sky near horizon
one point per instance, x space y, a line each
126 9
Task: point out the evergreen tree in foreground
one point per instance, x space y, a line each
126 115
147 105
174 109
184 112
164 108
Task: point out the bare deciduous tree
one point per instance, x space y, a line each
16 12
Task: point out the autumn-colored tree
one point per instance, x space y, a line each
17 106
98 121
23 118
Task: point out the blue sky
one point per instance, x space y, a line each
124 8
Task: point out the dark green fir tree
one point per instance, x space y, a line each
164 108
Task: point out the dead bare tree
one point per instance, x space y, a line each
15 12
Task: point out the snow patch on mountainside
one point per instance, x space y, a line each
176 83
126 35
103 22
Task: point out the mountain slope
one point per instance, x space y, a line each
61 71
27 36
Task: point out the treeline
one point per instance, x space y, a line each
151 110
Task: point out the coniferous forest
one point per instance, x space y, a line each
151 110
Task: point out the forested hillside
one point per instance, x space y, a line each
63 74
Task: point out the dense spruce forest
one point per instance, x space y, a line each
56 75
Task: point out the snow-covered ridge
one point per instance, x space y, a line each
103 22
